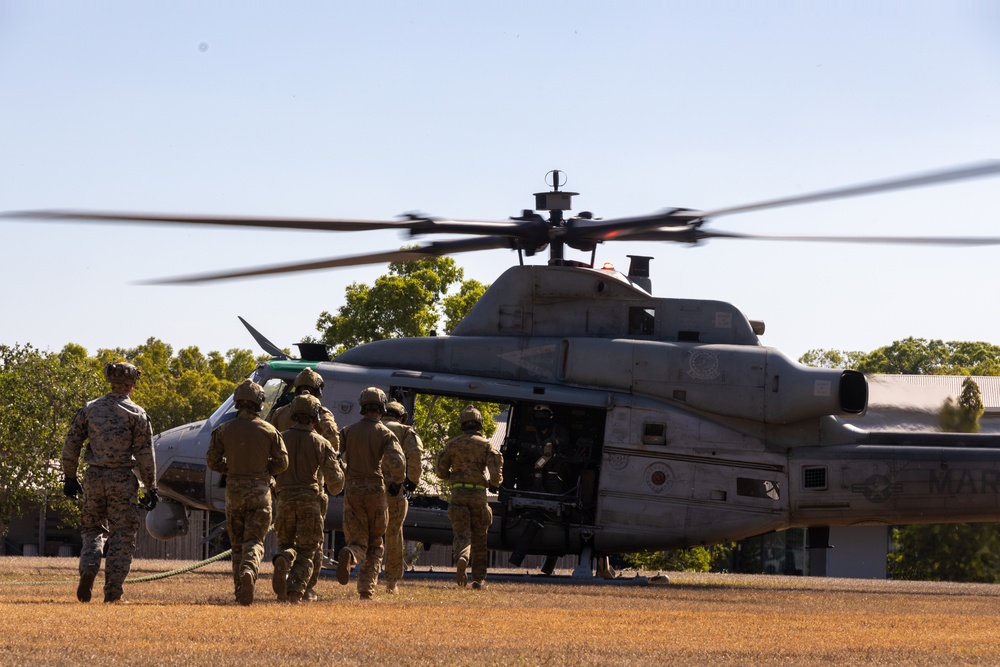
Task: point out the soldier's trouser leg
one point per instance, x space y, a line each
355 523
123 524
481 518
458 513
308 532
377 512
248 513
317 557
93 515
394 537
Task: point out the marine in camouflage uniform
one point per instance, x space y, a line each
367 446
395 421
310 382
120 437
470 465
249 451
298 522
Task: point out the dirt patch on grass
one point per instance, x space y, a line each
192 619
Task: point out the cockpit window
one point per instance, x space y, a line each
273 390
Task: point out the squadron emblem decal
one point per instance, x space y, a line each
659 477
703 365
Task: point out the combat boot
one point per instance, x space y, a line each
83 590
279 580
478 585
310 595
460 566
245 594
391 588
111 598
366 595
295 597
345 563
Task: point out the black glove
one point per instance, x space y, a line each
494 489
71 487
394 489
409 486
149 500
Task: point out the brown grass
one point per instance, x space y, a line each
699 619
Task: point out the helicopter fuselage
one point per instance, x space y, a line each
682 429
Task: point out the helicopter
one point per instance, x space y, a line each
679 427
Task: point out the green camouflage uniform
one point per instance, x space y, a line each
367 444
298 523
249 451
120 437
398 505
327 427
464 464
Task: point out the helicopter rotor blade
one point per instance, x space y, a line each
436 249
890 240
694 234
977 170
316 224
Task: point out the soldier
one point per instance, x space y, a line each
367 444
298 522
120 437
469 464
395 420
309 381
249 451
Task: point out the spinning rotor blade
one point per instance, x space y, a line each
894 240
318 224
978 170
436 249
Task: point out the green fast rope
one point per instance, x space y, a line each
137 580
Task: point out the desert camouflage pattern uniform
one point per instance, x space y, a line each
249 451
367 445
298 523
398 505
120 437
468 464
327 427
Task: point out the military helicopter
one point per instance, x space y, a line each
677 426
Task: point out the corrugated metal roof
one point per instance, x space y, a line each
930 390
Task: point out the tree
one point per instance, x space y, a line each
963 417
40 393
967 552
407 301
831 359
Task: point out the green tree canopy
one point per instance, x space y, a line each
914 356
40 393
409 300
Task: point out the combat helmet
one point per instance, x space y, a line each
372 398
307 377
121 372
470 418
306 404
395 409
249 391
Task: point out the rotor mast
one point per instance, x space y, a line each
555 202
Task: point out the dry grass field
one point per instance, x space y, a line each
701 619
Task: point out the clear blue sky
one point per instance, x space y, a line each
458 109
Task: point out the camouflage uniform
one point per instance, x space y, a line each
281 418
367 444
120 437
298 523
398 505
463 464
248 451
